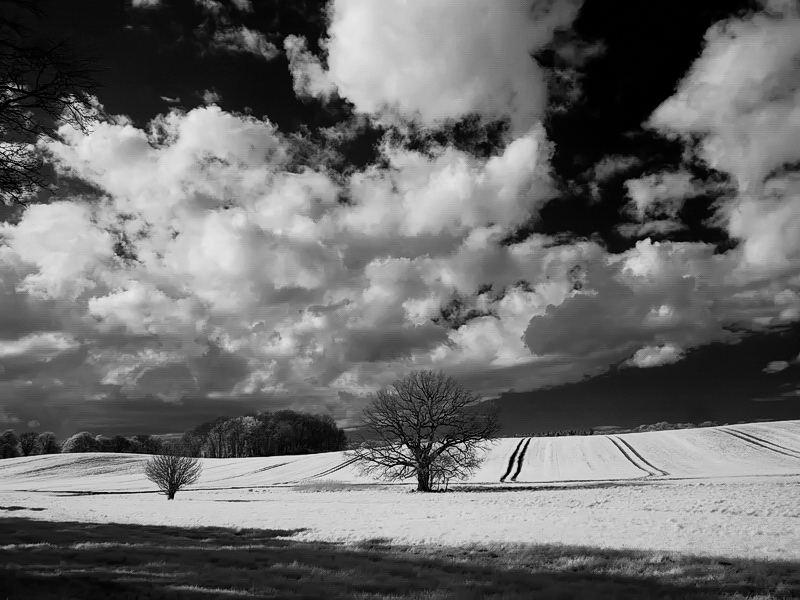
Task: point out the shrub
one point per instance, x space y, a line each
80 442
9 444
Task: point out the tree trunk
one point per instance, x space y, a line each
423 480
170 495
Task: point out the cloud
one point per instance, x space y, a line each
210 97
6 418
660 194
741 101
655 356
211 266
611 165
169 100
742 96
390 57
661 227
776 366
779 365
244 40
33 423
243 5
308 76
146 3
38 346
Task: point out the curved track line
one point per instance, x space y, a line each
752 442
338 467
520 459
647 463
511 461
627 456
763 441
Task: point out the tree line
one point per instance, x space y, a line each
261 434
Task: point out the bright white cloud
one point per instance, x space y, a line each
146 3
743 92
244 40
309 78
437 60
655 356
742 99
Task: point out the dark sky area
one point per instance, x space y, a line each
588 210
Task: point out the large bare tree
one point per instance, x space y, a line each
171 472
427 426
43 82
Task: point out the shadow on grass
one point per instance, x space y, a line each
55 560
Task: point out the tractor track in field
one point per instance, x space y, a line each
512 460
754 441
520 459
625 450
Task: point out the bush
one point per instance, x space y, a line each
9 444
28 443
81 442
47 443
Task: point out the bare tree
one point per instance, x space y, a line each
171 472
424 425
42 83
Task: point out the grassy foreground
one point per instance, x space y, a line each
48 560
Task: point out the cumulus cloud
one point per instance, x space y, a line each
741 99
244 40
655 356
146 3
169 100
436 61
210 266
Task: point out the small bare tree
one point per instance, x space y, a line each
424 425
171 472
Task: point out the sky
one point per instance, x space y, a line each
587 211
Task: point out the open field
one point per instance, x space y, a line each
722 495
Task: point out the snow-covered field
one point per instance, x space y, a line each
732 491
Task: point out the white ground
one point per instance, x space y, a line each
729 491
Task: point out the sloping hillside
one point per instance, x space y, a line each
752 449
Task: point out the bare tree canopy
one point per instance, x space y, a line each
42 83
171 472
424 425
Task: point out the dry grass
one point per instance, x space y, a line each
47 560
